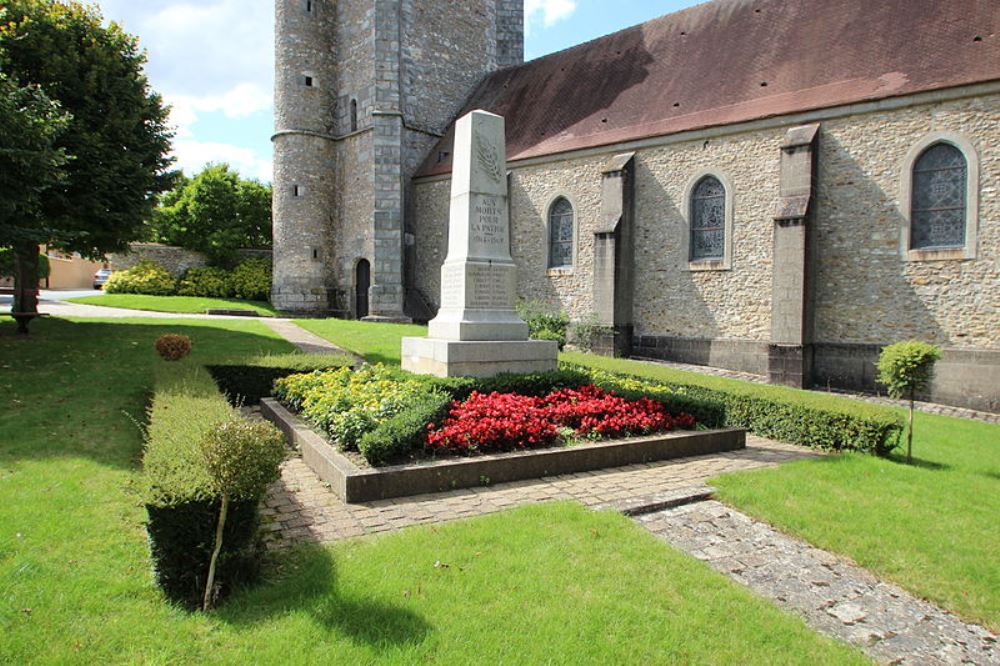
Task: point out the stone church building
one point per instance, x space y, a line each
779 187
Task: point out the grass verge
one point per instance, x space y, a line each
377 343
176 304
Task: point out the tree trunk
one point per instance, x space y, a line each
909 434
215 554
25 284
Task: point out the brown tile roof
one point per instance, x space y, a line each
731 61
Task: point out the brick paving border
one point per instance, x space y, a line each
301 508
832 595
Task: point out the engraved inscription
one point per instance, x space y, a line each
487 226
487 287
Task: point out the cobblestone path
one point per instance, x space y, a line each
833 596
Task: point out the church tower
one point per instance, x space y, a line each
363 90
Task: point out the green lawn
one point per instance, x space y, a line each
931 527
557 583
378 343
179 304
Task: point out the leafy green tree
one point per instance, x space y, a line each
215 212
98 140
906 368
30 170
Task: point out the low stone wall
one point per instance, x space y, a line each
962 378
741 355
174 259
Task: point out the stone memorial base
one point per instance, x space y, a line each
452 358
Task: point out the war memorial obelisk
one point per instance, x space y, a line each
477 332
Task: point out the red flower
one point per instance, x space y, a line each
508 421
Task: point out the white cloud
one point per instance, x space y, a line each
192 155
204 56
549 11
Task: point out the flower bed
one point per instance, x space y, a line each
389 416
509 421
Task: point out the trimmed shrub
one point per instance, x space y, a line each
543 323
173 347
906 368
251 280
146 277
252 380
781 414
181 499
405 432
205 281
242 458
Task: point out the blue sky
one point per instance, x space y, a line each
212 60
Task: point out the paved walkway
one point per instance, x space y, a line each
300 508
307 342
834 596
928 407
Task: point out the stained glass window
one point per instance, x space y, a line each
561 234
937 210
708 219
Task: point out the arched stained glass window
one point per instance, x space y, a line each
708 219
938 206
561 234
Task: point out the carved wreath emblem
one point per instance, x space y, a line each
489 157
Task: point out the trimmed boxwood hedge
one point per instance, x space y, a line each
182 508
790 416
248 382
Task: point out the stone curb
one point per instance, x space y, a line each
637 506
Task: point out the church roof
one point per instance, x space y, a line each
731 61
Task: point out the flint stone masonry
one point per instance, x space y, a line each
833 596
175 259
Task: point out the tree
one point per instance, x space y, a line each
30 169
905 368
100 134
216 212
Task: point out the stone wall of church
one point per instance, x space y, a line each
447 48
351 219
866 294
955 303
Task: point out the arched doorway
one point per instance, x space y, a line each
362 281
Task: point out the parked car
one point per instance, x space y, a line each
100 277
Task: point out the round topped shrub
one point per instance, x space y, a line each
205 281
251 280
146 277
173 347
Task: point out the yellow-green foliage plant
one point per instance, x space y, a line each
146 277
347 403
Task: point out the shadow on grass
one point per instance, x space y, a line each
305 581
73 388
900 458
